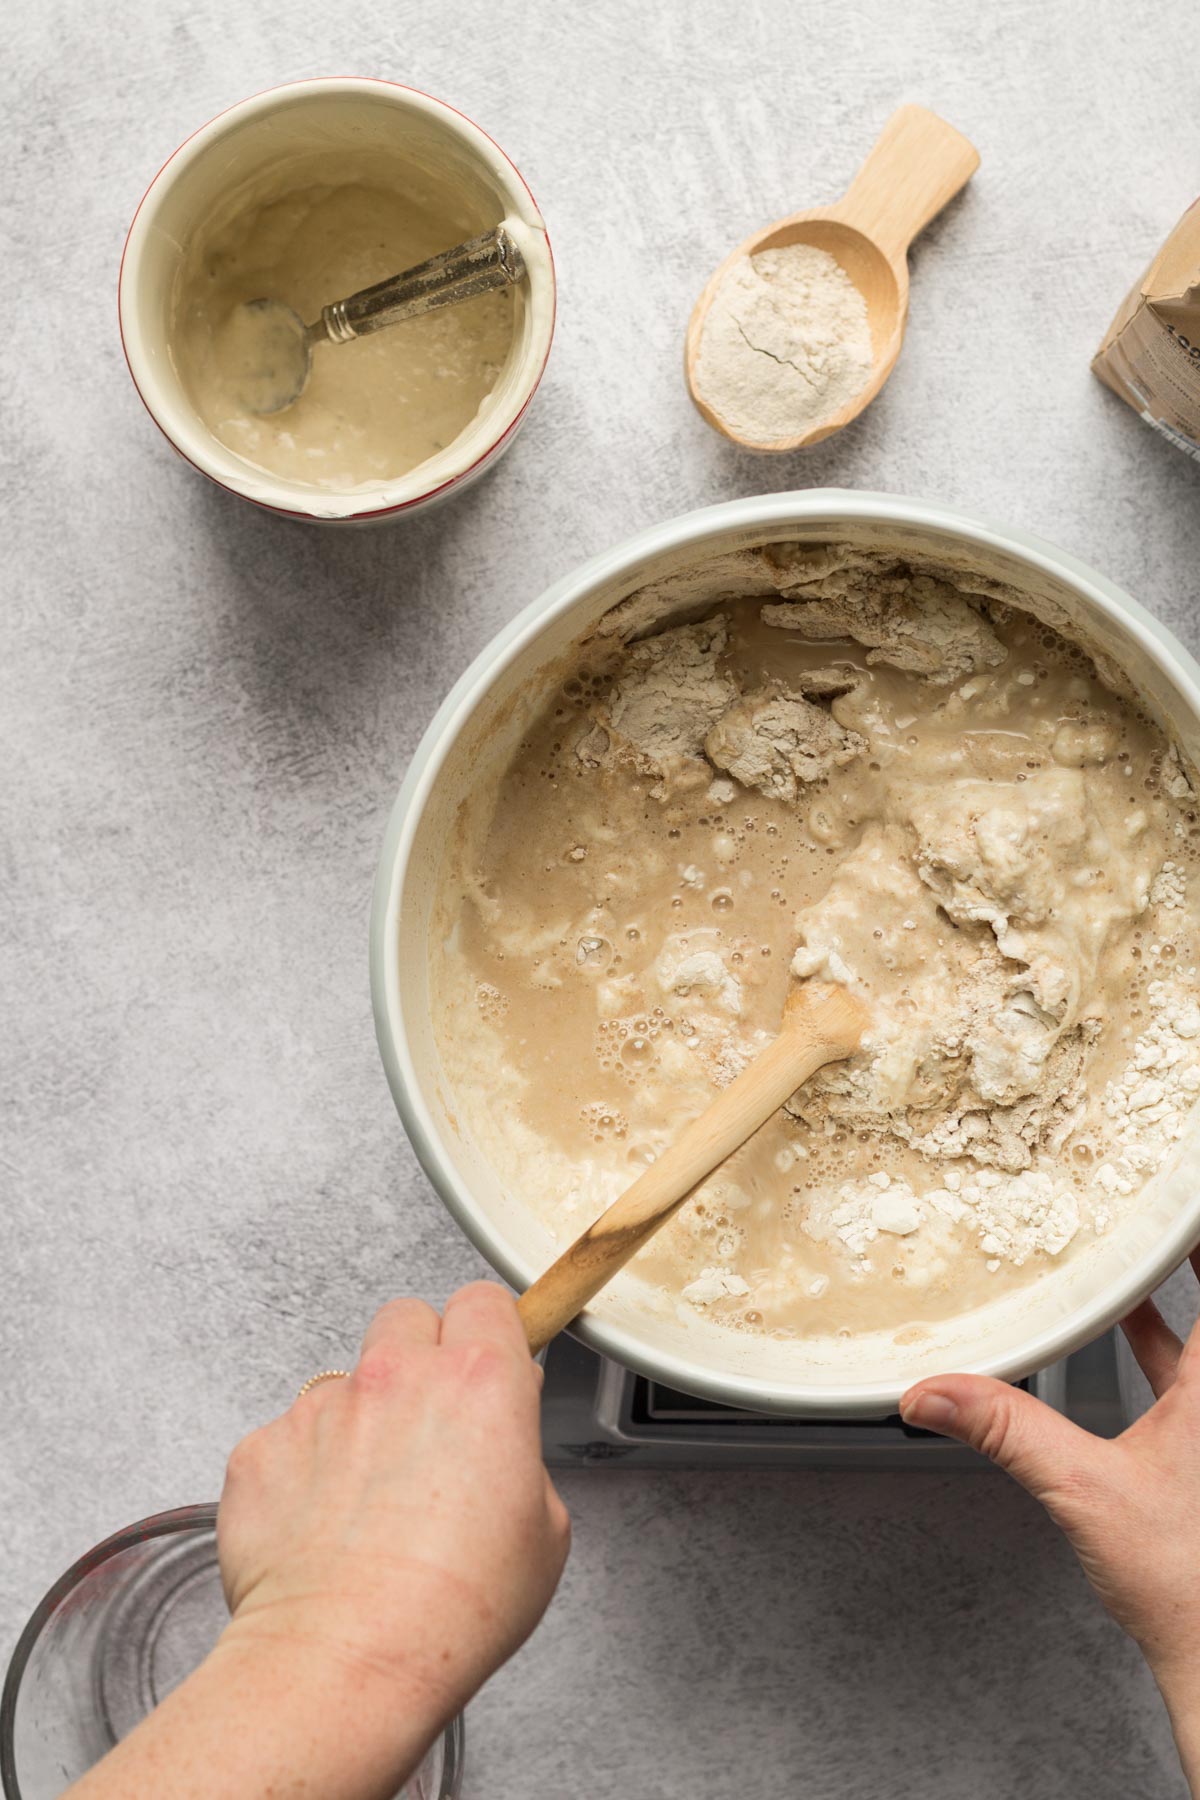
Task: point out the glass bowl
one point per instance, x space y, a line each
111 1639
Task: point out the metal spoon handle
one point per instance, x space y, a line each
489 261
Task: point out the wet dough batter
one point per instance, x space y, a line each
879 777
375 408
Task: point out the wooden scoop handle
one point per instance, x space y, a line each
917 165
809 1038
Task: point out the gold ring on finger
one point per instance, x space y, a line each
324 1375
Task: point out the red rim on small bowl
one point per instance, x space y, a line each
184 431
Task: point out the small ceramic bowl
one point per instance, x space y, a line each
311 124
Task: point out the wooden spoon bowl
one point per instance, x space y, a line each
918 164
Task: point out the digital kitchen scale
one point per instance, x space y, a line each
595 1413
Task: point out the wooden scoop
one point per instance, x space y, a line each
821 1024
918 164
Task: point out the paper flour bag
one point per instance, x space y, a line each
1151 352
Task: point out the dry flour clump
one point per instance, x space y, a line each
1149 1103
715 1284
786 343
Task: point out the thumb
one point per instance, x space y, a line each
1046 1453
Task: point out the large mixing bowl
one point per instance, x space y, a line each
468 743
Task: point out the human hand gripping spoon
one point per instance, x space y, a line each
822 1023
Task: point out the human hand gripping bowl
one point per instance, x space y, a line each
822 1023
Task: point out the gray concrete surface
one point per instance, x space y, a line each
205 713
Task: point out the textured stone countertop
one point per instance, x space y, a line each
205 713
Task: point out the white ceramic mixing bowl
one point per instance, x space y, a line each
471 738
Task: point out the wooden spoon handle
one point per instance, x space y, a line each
917 165
606 1246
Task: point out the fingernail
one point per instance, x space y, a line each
931 1411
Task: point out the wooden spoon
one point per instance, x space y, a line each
918 164
821 1024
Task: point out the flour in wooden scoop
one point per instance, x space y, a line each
786 344
857 768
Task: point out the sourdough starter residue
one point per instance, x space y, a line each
894 781
375 408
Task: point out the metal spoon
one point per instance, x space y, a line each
266 349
